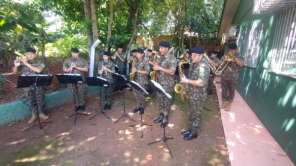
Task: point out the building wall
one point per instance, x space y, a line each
272 97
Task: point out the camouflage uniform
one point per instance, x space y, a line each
167 82
107 91
197 95
77 90
212 75
35 95
229 78
141 79
120 64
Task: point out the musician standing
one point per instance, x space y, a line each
141 68
196 94
132 58
229 77
105 70
76 65
165 68
119 58
35 95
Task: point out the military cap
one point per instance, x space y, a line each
232 46
164 44
198 50
75 50
29 49
106 53
215 52
140 50
134 50
149 50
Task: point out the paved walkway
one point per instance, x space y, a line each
249 143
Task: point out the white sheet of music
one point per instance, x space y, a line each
101 78
161 88
139 86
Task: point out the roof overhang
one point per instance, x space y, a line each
229 10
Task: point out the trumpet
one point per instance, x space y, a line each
210 62
224 64
179 88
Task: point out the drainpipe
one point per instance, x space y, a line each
92 58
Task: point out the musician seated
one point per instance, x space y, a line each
105 70
35 95
140 69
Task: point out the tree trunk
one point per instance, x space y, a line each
94 20
135 30
110 26
88 21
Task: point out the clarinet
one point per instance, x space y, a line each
73 62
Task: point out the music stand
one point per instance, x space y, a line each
34 80
123 80
98 81
160 90
71 79
138 87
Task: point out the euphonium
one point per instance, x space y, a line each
223 65
179 88
210 62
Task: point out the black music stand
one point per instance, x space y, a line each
103 83
138 87
160 90
122 80
71 79
34 80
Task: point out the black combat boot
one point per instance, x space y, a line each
141 110
159 119
109 106
136 109
105 106
77 108
186 133
191 136
164 122
82 107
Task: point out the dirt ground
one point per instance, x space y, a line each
101 142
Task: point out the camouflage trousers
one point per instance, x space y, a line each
164 103
107 94
194 114
228 89
35 96
140 98
78 93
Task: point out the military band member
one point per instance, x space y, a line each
119 59
141 68
105 70
76 65
150 56
132 58
196 84
229 77
35 95
165 68
215 62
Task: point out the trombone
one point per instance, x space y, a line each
224 64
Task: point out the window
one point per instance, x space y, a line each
282 57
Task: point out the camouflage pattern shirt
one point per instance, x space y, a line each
35 63
80 62
168 62
142 65
198 71
109 65
215 60
231 71
118 62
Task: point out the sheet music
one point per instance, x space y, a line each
161 88
70 74
102 78
37 75
121 76
140 86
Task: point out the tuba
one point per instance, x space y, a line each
223 65
179 88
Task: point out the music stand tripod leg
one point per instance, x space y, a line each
100 112
39 124
124 114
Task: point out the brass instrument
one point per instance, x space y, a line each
179 88
210 62
223 65
153 74
132 75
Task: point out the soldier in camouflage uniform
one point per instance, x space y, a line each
150 58
76 65
105 70
196 84
165 68
119 58
132 58
141 68
214 61
35 95
229 76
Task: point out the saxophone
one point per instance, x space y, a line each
132 75
179 88
153 74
